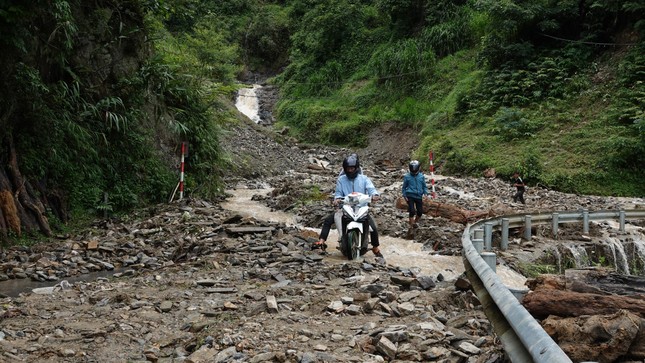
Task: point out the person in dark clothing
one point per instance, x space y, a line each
518 183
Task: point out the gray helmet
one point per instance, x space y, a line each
414 166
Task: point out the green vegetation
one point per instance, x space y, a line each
312 193
554 90
96 99
92 109
533 270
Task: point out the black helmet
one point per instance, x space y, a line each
351 161
414 166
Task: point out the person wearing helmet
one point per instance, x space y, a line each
414 188
351 158
351 180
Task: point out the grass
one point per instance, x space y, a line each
533 270
566 144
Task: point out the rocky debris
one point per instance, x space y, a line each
179 232
195 283
268 96
201 294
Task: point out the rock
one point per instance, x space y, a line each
386 347
272 304
203 287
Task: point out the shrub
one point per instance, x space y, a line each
403 65
511 124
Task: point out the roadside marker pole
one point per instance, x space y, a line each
181 173
431 156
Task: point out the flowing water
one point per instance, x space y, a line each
623 251
247 102
398 252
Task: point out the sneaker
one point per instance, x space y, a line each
319 245
377 252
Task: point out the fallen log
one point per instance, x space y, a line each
448 211
587 291
593 314
600 338
543 303
592 280
605 282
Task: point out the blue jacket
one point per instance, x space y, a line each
361 184
414 186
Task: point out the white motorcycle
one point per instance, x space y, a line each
355 218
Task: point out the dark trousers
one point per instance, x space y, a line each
415 207
519 196
324 232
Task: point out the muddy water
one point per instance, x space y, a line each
397 251
242 204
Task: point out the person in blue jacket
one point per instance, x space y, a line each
414 188
352 180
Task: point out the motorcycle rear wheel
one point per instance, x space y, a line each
353 245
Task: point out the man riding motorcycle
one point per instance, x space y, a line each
348 182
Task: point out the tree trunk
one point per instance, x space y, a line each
447 211
585 292
543 303
9 220
604 282
599 338
20 208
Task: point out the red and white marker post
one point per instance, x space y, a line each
431 157
181 172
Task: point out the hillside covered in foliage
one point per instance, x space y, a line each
98 96
551 88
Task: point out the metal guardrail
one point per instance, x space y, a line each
523 337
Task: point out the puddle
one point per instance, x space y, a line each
14 287
397 251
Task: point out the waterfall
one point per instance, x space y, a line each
558 258
639 248
579 254
247 102
618 252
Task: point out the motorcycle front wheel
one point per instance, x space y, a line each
353 245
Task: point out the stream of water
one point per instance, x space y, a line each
247 103
397 251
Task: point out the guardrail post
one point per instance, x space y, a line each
478 243
585 221
478 234
488 236
527 228
554 224
491 260
504 244
621 217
